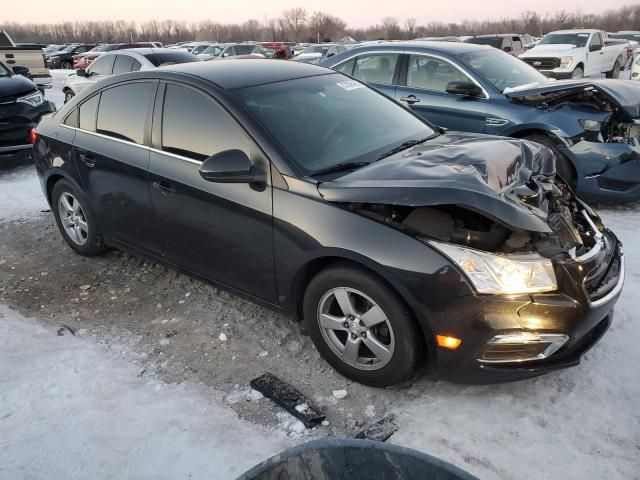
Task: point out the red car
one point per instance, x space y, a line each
275 50
83 60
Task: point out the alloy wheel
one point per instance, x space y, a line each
356 328
73 219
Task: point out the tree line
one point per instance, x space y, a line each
297 24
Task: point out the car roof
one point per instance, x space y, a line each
497 35
576 30
241 73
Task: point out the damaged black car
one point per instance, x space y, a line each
396 244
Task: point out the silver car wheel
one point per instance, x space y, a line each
73 219
355 328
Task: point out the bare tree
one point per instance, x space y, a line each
410 28
391 28
296 21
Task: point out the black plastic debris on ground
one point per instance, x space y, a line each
379 431
64 328
288 398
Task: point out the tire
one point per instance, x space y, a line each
71 216
615 71
578 72
68 95
66 65
391 326
564 168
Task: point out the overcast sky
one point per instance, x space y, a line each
357 13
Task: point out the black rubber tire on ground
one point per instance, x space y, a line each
564 168
409 344
68 95
578 72
94 244
66 65
615 71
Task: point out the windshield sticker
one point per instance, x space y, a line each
350 85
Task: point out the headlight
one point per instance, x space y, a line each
591 125
33 99
502 274
565 62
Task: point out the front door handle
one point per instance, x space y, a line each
88 160
411 99
165 188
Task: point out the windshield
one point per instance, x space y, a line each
577 39
199 49
213 50
493 41
626 36
67 49
327 120
501 69
51 48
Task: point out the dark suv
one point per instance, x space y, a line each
64 58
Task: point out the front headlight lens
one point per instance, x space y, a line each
34 99
502 274
565 62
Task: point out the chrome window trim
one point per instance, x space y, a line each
409 52
125 142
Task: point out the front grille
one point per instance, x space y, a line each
543 63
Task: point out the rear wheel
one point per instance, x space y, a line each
75 219
361 327
564 168
615 71
578 73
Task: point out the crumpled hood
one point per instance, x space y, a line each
15 85
501 178
622 94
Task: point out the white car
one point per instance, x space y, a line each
577 54
123 61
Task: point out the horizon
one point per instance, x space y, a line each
357 13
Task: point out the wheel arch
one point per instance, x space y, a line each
54 177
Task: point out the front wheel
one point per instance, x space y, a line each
75 219
577 73
66 65
361 327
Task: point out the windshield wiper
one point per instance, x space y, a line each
339 167
405 146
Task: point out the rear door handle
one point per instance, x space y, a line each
165 188
411 99
88 160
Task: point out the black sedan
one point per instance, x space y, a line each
63 58
313 194
21 107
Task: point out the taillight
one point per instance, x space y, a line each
33 136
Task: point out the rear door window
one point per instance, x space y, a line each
196 127
347 67
88 114
123 64
123 111
378 68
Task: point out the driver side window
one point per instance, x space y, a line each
102 65
430 73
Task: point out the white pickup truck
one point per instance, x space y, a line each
577 54
31 57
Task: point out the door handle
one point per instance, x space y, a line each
88 160
411 99
165 188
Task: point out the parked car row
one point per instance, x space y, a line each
313 193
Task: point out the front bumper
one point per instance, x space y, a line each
43 81
606 172
581 310
558 74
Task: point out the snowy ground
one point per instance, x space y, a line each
146 389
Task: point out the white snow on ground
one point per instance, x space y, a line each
20 194
55 94
580 423
70 409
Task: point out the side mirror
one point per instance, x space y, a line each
81 72
595 48
330 54
231 166
24 71
466 89
507 49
